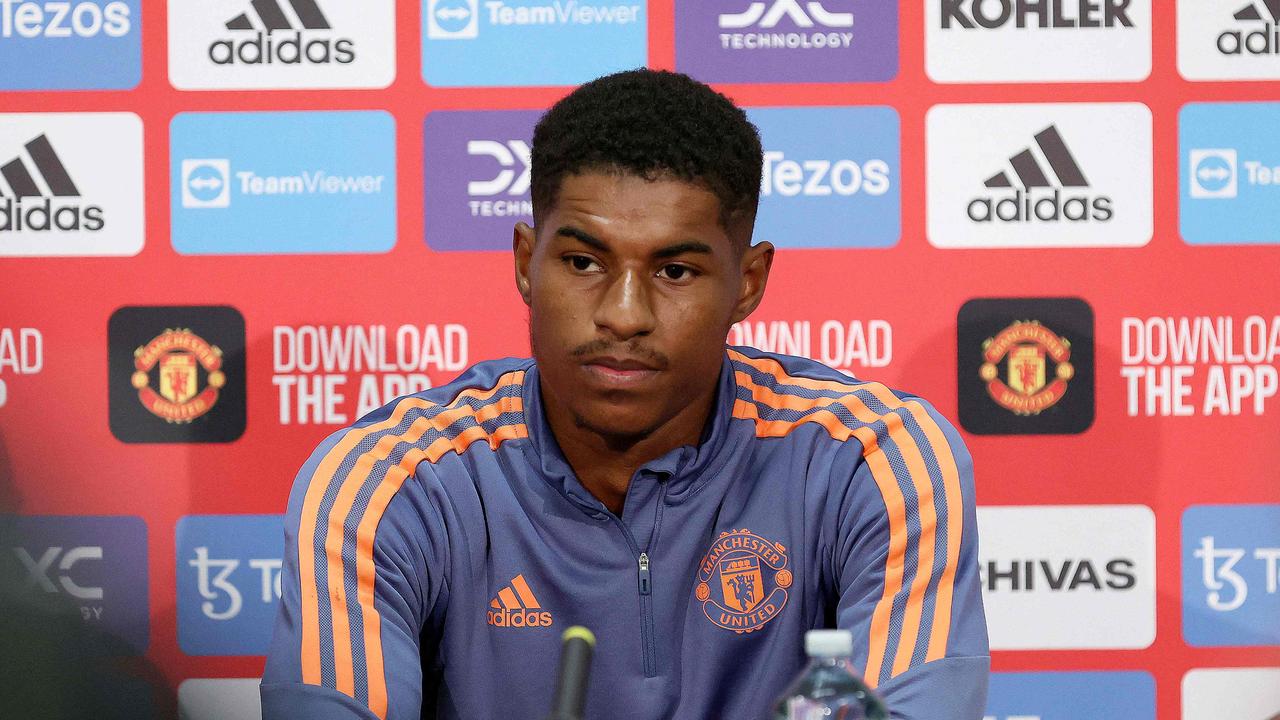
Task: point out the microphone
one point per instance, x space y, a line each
575 666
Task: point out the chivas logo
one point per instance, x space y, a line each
1025 349
743 581
172 359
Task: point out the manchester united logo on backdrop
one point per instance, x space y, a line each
1026 367
174 359
743 581
177 374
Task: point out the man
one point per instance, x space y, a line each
699 507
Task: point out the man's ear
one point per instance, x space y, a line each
756 262
522 249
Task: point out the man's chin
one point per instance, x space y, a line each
616 425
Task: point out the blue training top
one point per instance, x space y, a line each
436 549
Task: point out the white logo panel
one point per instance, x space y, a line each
1039 175
219 699
1068 577
281 44
1037 41
1236 693
71 184
1229 39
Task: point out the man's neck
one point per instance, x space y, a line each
605 464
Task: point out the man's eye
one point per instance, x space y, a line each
677 272
581 263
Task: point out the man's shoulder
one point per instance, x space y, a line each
803 385
487 380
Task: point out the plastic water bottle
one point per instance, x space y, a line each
829 688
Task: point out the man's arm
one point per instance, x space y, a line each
906 563
364 565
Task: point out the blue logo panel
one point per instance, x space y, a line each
831 177
84 45
93 568
530 42
1229 161
228 582
1071 696
1230 573
288 182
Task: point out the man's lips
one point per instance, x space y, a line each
619 371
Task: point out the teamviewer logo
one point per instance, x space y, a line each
453 19
1213 174
206 183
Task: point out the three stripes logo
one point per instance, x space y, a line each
50 204
1035 196
1252 38
267 34
516 606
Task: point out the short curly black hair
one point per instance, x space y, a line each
654 124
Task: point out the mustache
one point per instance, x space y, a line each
601 346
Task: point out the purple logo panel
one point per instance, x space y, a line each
476 183
92 570
787 40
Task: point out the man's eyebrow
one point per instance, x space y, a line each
583 237
689 246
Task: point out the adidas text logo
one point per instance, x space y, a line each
1263 39
56 206
515 606
1056 14
1039 199
766 17
267 35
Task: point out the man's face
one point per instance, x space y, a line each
632 286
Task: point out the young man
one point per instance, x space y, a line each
699 507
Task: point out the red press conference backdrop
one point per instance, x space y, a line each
888 313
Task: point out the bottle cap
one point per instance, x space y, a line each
828 643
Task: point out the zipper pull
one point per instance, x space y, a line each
644 573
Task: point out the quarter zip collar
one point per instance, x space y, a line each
683 467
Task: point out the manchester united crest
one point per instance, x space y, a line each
169 379
743 581
1026 367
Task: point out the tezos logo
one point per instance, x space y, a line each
54 204
1026 366
64 19
97 565
266 34
1037 197
228 582
1231 575
177 374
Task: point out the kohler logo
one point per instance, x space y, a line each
1047 14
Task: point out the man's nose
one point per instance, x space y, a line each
625 310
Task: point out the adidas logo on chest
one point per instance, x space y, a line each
515 606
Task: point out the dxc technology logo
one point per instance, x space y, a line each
476 186
71 184
787 40
70 45
1231 173
1071 695
94 565
830 177
1038 40
294 182
1231 575
261 44
530 42
228 582
1221 40
1067 175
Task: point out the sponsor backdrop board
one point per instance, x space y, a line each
228 228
